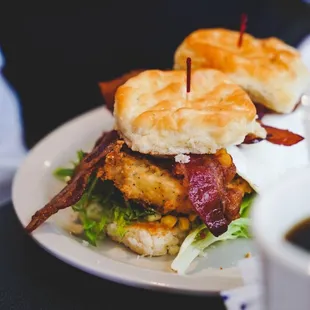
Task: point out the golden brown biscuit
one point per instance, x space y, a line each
154 115
271 71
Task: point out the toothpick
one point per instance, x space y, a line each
188 76
243 25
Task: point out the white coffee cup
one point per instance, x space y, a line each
285 267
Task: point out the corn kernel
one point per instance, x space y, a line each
247 255
169 220
241 184
225 159
67 179
153 217
220 151
76 229
192 217
183 223
174 249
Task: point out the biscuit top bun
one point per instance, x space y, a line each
271 71
154 114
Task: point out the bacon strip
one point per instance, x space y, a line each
251 139
275 136
73 192
261 110
207 180
282 136
108 88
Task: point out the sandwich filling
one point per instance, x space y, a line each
207 186
149 204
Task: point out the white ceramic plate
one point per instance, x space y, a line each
34 185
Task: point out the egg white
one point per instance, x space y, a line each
263 163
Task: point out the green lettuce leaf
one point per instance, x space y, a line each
65 173
199 240
102 204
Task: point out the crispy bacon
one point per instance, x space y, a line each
109 88
275 136
251 139
74 190
261 110
233 200
282 136
207 180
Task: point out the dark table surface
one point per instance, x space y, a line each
31 278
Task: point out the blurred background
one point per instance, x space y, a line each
56 55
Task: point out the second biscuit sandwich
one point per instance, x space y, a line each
271 71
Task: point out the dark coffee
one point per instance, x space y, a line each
299 234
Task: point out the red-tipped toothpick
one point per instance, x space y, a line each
243 24
188 74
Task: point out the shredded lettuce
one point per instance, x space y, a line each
102 204
101 209
198 241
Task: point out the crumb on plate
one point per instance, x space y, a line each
182 159
247 255
85 243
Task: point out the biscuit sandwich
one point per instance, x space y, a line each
269 70
165 169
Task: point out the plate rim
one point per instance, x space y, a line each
39 236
